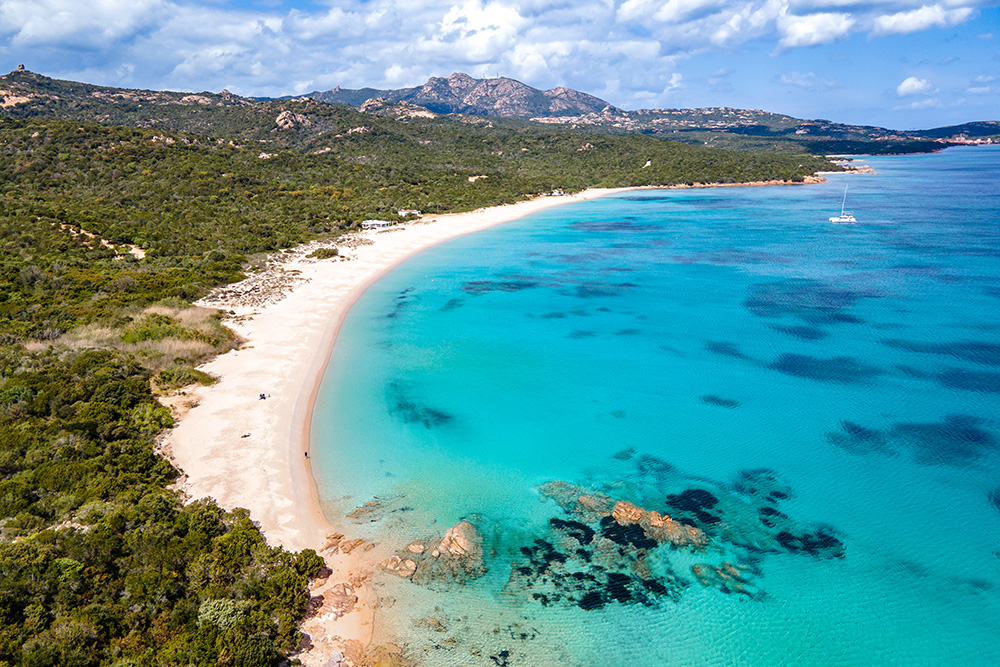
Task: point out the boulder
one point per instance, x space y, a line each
399 566
462 541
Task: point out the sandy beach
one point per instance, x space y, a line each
245 451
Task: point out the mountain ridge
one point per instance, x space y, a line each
505 97
24 94
461 93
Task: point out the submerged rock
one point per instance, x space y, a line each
995 498
726 577
580 567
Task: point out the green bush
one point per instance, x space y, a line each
323 253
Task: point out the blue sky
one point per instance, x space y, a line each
896 63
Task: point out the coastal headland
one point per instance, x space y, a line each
244 440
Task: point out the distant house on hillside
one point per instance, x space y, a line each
377 224
403 212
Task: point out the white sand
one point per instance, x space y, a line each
288 344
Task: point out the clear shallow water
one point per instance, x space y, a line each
695 334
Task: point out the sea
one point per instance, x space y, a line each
815 405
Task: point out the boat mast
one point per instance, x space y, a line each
843 204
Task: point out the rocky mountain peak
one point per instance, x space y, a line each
461 93
461 79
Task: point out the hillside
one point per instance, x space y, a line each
120 207
726 127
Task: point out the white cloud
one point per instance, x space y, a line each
807 80
930 103
911 85
925 17
37 22
626 51
979 90
813 29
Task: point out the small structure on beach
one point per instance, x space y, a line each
403 212
377 224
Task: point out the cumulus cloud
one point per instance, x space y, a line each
812 29
911 85
31 23
627 51
925 17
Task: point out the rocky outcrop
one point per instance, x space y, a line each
659 527
590 507
380 107
287 120
454 558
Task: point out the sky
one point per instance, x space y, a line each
902 64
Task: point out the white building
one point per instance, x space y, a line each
377 224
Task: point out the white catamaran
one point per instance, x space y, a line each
845 216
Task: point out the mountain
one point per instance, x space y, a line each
24 94
724 127
460 93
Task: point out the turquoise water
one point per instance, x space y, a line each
838 382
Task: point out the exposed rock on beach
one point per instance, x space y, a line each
279 275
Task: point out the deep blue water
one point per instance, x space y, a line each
834 389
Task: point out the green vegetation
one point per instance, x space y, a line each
100 563
324 253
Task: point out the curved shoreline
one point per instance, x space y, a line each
245 451
241 450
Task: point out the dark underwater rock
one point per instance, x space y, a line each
978 381
487 286
412 412
955 440
858 439
712 399
725 349
802 332
974 351
812 301
820 542
628 534
840 370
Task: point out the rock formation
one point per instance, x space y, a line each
455 558
655 526
460 93
287 120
